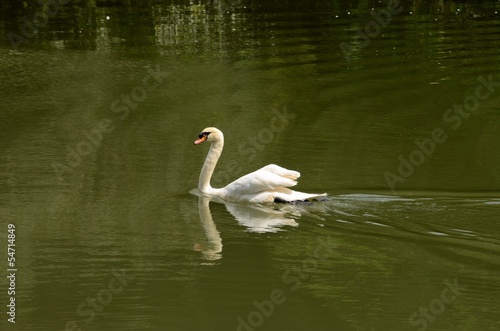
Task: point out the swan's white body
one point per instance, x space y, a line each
266 185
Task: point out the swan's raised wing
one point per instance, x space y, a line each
267 178
280 171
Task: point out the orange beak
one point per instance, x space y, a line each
202 139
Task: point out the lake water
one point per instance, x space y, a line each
393 110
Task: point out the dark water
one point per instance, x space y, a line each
392 109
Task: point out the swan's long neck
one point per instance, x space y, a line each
209 166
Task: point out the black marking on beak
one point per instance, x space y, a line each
203 134
202 138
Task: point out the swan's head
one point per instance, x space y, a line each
210 134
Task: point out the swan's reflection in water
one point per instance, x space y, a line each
213 249
254 218
260 218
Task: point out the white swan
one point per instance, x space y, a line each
266 185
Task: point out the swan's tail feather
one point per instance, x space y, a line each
290 196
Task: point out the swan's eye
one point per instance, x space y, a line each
202 137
